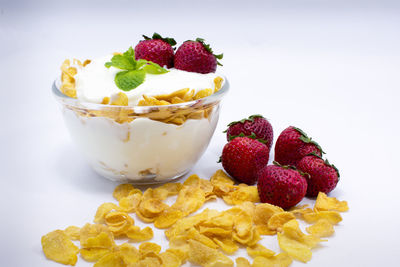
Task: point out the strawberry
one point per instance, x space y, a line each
323 177
292 145
196 56
256 126
283 186
243 157
156 49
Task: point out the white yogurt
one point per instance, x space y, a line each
140 149
95 81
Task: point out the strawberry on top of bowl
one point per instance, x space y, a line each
144 72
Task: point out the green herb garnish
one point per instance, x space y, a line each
133 72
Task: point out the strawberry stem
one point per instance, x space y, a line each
252 136
326 161
209 49
250 118
291 167
157 36
308 140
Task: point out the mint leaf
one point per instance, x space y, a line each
128 80
141 62
130 52
134 72
126 61
151 69
122 62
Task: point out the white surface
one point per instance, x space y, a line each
328 67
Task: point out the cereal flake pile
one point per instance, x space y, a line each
203 239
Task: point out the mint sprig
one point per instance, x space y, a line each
129 79
133 72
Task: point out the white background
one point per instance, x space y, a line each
331 68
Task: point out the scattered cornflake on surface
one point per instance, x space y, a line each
242 262
136 234
96 236
93 254
169 259
297 244
259 250
122 190
325 203
129 253
58 247
148 247
204 238
102 211
281 260
277 220
129 203
331 216
73 232
322 228
205 256
113 259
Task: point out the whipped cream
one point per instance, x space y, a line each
95 81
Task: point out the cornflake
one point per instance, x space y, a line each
136 234
297 244
205 256
114 259
325 203
281 260
73 232
322 228
242 262
203 238
93 254
58 247
259 250
122 190
129 253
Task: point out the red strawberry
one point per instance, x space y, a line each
256 126
282 186
243 157
156 49
323 177
196 56
292 145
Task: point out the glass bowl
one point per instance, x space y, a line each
141 144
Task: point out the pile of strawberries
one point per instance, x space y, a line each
298 170
193 56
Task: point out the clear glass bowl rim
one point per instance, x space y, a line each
215 97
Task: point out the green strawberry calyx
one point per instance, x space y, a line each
326 161
157 36
252 136
250 119
291 167
133 72
303 137
209 49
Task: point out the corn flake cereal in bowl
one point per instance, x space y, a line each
151 133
